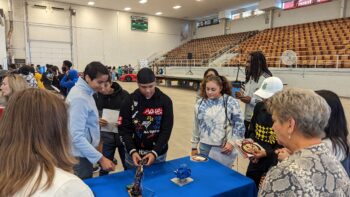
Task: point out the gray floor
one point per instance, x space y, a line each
183 103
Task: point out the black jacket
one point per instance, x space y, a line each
145 124
260 130
113 101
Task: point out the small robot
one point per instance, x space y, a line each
135 189
182 174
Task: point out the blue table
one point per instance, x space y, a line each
210 179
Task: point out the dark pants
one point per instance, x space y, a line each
246 124
111 141
84 168
257 170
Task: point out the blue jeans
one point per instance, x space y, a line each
204 149
130 164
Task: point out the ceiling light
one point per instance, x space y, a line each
127 9
198 0
159 13
143 1
91 3
177 7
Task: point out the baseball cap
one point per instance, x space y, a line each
145 76
269 87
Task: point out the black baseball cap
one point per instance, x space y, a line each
145 76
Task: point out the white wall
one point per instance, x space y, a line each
320 12
2 46
98 34
209 31
163 35
248 24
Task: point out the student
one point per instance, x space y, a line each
256 72
69 80
207 73
212 112
28 72
146 121
83 120
35 152
261 132
111 97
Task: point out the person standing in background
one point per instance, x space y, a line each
113 74
120 71
256 72
337 129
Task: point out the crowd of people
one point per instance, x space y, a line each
49 143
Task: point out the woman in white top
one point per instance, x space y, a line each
35 149
337 128
256 72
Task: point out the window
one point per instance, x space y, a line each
246 14
236 16
215 21
258 12
288 5
208 22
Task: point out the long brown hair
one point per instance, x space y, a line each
221 81
33 137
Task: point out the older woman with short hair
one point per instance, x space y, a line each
300 117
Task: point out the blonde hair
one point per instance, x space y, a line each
34 138
16 83
309 110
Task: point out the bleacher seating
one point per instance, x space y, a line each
323 43
203 49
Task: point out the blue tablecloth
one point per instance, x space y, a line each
210 179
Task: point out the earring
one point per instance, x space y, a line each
289 137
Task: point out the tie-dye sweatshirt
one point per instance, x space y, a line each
210 119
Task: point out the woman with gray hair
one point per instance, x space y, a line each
300 117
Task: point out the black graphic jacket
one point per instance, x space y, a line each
145 125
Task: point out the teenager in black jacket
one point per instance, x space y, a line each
146 121
112 97
260 130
